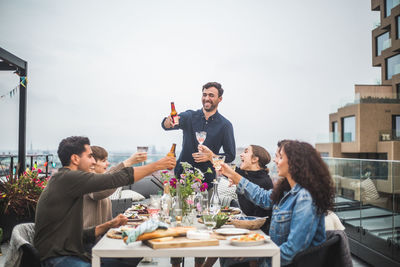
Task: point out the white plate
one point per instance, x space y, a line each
232 231
250 243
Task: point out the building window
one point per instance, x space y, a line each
398 26
392 66
389 5
382 42
349 129
398 91
335 133
396 127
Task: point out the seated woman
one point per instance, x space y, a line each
97 207
299 201
254 168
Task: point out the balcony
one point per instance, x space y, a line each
389 135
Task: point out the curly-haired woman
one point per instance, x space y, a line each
299 201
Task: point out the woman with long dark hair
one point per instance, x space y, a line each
299 201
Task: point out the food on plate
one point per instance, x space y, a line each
249 238
139 209
230 211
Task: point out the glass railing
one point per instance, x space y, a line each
47 163
334 137
372 97
367 201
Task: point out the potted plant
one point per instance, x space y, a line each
18 198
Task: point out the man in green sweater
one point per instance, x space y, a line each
59 234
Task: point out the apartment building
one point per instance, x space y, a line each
369 127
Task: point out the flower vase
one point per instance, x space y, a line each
188 210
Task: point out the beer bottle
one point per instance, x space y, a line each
171 153
174 114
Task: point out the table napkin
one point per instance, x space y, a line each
146 227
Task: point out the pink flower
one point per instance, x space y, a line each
173 182
189 201
39 171
203 187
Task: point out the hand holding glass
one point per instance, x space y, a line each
217 160
142 149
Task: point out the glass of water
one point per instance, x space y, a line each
209 221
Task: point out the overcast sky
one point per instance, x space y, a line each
109 69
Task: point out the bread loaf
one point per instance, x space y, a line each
172 231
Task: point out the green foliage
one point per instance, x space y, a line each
220 219
20 194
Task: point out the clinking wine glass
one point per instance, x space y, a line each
217 161
232 165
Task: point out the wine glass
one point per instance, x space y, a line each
232 165
201 137
209 221
142 149
217 160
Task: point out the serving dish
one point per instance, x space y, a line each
231 231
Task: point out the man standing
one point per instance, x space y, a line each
219 132
59 233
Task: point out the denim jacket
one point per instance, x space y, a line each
295 224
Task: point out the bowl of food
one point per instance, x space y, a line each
249 222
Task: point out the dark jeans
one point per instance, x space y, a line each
65 261
72 261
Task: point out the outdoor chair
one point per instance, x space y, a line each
326 254
21 251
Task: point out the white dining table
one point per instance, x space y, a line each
116 248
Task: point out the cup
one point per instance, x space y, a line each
142 149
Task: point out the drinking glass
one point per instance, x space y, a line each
154 207
201 137
217 160
204 202
209 222
142 149
232 165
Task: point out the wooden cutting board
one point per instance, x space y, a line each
181 242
